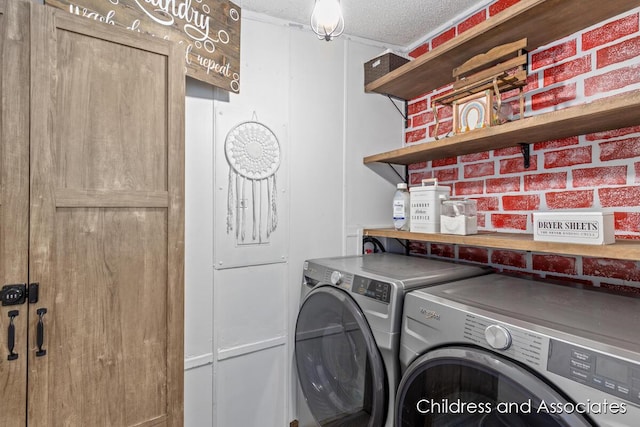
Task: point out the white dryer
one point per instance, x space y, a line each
504 351
348 334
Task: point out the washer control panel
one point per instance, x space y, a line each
609 374
380 291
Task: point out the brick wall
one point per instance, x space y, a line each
595 171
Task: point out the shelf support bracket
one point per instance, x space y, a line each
404 115
526 154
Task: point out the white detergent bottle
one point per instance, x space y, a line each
401 208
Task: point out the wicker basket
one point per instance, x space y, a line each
381 65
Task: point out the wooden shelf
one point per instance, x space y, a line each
622 249
610 113
540 21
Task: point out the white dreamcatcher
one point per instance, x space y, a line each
253 153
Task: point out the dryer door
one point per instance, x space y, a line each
340 369
463 386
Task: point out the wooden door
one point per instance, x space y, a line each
14 203
106 228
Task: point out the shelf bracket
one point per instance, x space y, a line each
404 115
526 154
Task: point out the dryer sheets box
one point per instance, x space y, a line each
591 228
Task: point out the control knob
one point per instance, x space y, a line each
498 337
336 278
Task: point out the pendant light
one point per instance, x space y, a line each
326 19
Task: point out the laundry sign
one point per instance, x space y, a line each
209 30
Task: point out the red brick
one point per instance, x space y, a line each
509 221
627 236
468 253
416 178
466 188
474 157
573 280
595 177
509 94
415 136
532 83
445 112
619 196
568 157
622 289
556 143
553 97
501 5
509 151
636 166
510 258
442 38
627 221
416 107
612 133
418 248
421 119
610 32
545 181
444 162
450 174
472 21
554 264
619 52
527 202
420 50
570 199
417 166
476 170
487 203
623 149
567 70
516 164
482 221
443 128
611 268
553 54
612 80
442 250
503 185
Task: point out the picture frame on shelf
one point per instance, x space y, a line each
473 112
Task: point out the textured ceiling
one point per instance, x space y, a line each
400 23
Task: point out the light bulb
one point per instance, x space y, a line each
326 19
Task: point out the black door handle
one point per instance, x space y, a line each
40 332
11 336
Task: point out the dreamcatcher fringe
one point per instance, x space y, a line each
230 204
237 193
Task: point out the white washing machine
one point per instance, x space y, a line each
348 334
503 351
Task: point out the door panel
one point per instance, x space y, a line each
106 225
14 200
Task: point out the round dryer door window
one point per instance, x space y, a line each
460 386
340 369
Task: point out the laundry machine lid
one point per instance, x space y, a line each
340 369
409 271
471 387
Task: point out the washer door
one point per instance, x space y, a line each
340 369
460 386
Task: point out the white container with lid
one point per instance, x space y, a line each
425 205
459 216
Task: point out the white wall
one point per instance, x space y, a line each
238 340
